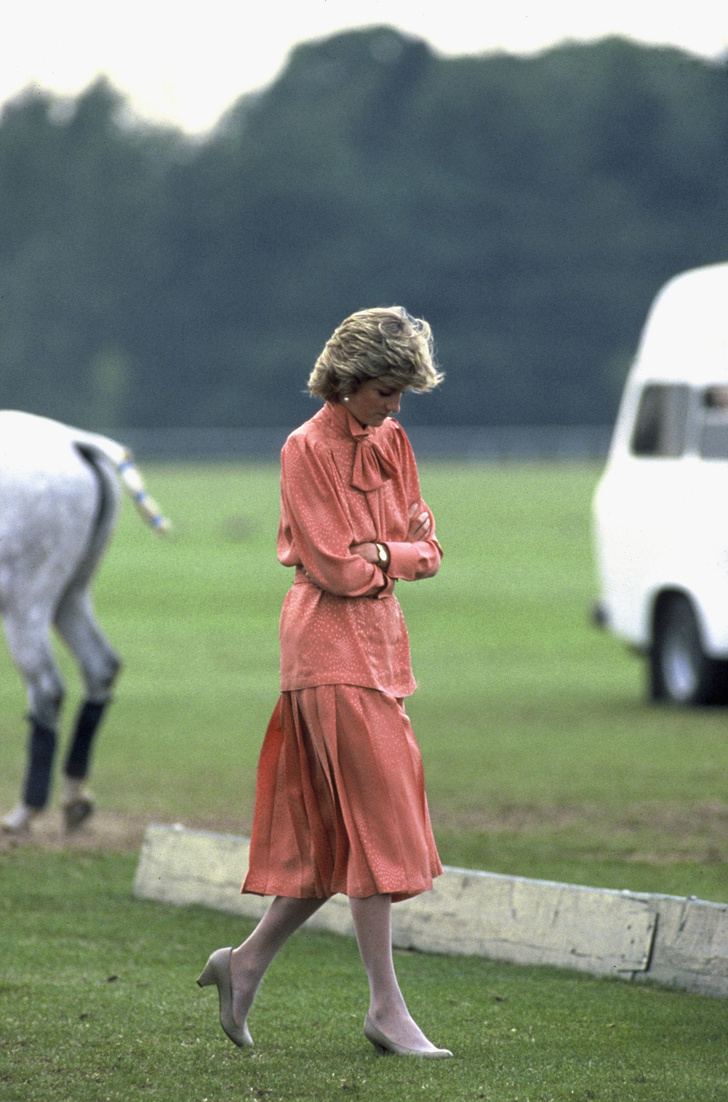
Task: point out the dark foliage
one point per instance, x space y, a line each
529 208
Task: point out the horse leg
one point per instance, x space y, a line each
78 803
42 742
99 665
88 720
31 651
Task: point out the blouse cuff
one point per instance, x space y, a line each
404 560
387 587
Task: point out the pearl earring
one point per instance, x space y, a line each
346 397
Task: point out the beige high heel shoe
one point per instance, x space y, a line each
217 971
385 1046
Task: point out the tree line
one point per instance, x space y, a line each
529 208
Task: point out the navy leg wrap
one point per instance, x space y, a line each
79 755
41 751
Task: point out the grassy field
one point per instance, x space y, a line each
98 1004
542 757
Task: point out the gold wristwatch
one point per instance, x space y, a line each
382 555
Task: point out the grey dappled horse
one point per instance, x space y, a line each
59 497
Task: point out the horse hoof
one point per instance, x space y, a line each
77 811
18 820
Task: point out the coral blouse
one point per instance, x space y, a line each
342 484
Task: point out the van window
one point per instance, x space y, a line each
662 417
713 426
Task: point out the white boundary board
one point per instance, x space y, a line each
667 939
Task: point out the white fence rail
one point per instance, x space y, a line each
665 939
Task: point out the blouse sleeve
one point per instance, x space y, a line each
412 561
315 530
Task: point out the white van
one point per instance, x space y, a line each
661 506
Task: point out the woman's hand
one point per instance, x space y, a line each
419 529
419 525
368 551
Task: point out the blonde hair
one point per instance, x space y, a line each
370 344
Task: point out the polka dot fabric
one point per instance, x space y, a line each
330 632
340 801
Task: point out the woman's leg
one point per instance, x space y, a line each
387 1009
250 961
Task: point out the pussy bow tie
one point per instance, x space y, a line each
372 467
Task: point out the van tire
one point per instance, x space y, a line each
680 671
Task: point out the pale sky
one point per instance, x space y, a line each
187 63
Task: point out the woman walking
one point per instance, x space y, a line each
340 802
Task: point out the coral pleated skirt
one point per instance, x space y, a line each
340 801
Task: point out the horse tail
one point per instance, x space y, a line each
134 485
130 477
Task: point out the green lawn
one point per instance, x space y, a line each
542 757
98 1004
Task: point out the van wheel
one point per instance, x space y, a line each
680 671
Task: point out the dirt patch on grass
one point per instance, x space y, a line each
105 831
517 818
653 832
